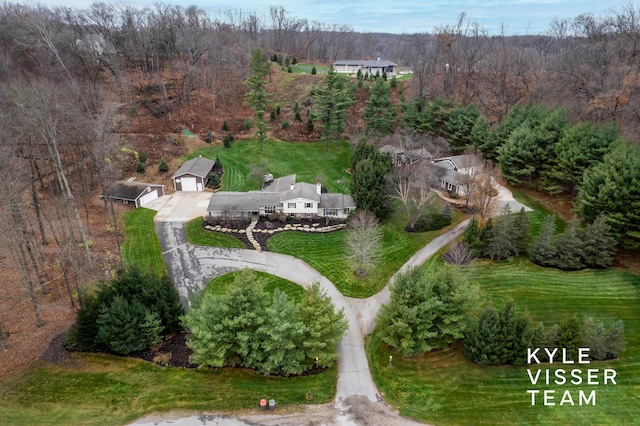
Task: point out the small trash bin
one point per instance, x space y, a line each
272 404
263 404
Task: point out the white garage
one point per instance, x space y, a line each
138 193
193 175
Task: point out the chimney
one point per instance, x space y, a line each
291 187
318 188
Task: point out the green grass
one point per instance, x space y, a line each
444 388
306 68
98 389
325 252
307 160
539 213
196 234
141 246
293 291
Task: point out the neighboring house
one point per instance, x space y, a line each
95 44
282 195
138 193
351 66
401 157
454 172
193 175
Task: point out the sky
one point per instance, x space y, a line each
408 16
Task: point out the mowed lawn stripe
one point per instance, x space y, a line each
444 388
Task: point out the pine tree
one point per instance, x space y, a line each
471 237
569 250
501 241
570 336
543 250
333 98
257 98
163 167
325 327
599 245
379 112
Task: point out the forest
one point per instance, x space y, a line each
83 90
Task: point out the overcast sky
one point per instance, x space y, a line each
410 16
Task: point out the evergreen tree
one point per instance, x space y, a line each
459 125
502 240
163 167
223 328
333 99
543 250
370 185
257 98
599 245
313 70
612 187
482 343
570 336
471 238
279 340
615 341
521 231
379 112
569 250
325 327
428 311
310 126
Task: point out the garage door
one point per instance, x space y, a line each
148 197
189 184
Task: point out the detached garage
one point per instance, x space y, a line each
138 193
193 175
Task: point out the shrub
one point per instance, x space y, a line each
313 70
285 124
272 116
226 141
225 126
214 180
297 117
294 61
208 138
248 123
139 167
163 167
143 156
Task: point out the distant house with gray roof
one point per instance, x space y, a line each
193 175
282 195
454 172
352 66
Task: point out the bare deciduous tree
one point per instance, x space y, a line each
413 187
363 241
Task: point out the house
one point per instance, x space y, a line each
453 173
138 193
352 66
282 195
193 175
401 157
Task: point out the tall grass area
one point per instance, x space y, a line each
326 253
444 388
308 160
98 389
141 245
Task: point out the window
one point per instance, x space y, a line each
291 205
449 186
308 205
346 212
269 209
331 212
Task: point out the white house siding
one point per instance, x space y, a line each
300 208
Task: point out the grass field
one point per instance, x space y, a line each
293 291
444 388
98 389
200 236
307 160
325 252
141 245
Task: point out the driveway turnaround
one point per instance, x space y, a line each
192 267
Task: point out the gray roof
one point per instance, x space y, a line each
460 161
366 63
242 201
198 166
125 190
443 172
336 201
280 184
301 190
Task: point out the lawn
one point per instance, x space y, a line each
325 252
309 161
98 389
306 68
196 234
293 291
141 245
444 388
